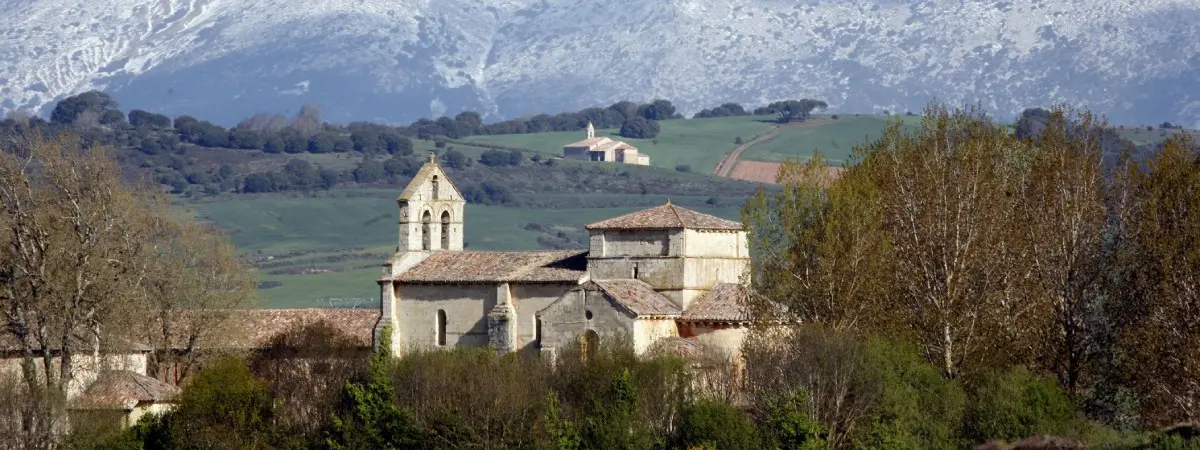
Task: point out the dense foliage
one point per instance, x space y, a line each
1048 280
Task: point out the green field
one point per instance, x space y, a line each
1140 136
339 239
699 143
834 138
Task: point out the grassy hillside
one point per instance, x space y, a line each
699 143
834 138
311 249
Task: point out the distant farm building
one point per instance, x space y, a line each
604 149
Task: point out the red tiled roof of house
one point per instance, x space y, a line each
499 267
638 297
667 216
123 389
725 302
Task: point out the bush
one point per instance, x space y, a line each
639 128
1016 404
683 168
918 408
715 424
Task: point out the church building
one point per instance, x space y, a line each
604 148
664 273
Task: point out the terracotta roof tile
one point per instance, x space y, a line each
255 328
725 302
123 389
499 267
667 216
589 142
638 297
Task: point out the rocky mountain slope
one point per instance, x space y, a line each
396 60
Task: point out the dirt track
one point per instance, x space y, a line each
761 172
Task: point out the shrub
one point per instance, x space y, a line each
716 424
918 408
683 168
1016 404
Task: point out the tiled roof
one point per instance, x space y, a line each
589 142
667 216
638 297
255 328
726 302
122 389
499 267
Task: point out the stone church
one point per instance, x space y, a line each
664 273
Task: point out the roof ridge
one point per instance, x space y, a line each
676 213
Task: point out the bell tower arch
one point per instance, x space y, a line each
431 212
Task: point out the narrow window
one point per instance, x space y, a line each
441 327
635 271
537 331
425 219
435 187
445 230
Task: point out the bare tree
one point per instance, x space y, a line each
195 284
75 236
948 201
1160 311
308 120
1065 221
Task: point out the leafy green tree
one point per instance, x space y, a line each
560 431
225 406
788 425
716 424
454 159
369 417
144 119
72 109
657 110
1015 404
918 408
639 128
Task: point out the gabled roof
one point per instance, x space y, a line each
427 171
638 297
568 266
725 302
123 389
589 142
667 216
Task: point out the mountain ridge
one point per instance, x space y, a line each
1138 61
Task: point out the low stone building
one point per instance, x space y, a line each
603 148
662 273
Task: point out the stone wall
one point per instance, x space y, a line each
578 311
730 244
85 367
648 331
466 307
636 243
723 336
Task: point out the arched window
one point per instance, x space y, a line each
588 343
445 230
435 187
440 327
425 219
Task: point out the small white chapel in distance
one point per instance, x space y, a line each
661 274
604 148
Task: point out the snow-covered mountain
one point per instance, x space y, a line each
395 60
